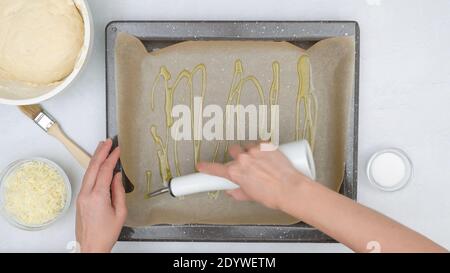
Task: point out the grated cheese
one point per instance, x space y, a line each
34 193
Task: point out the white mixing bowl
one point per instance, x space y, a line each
16 93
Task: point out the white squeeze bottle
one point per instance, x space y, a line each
299 153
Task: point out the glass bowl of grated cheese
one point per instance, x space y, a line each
34 193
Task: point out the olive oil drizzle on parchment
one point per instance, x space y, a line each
162 151
307 99
148 179
304 128
234 95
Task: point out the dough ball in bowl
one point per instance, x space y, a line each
41 40
43 45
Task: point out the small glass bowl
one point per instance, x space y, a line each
408 172
13 167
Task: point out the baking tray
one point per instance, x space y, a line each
159 34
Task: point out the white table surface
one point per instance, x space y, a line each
404 103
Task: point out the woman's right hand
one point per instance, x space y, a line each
264 176
268 177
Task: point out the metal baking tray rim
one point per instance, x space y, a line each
236 233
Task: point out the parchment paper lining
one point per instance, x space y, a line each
332 66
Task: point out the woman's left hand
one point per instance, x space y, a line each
101 206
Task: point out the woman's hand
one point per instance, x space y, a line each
267 177
101 207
